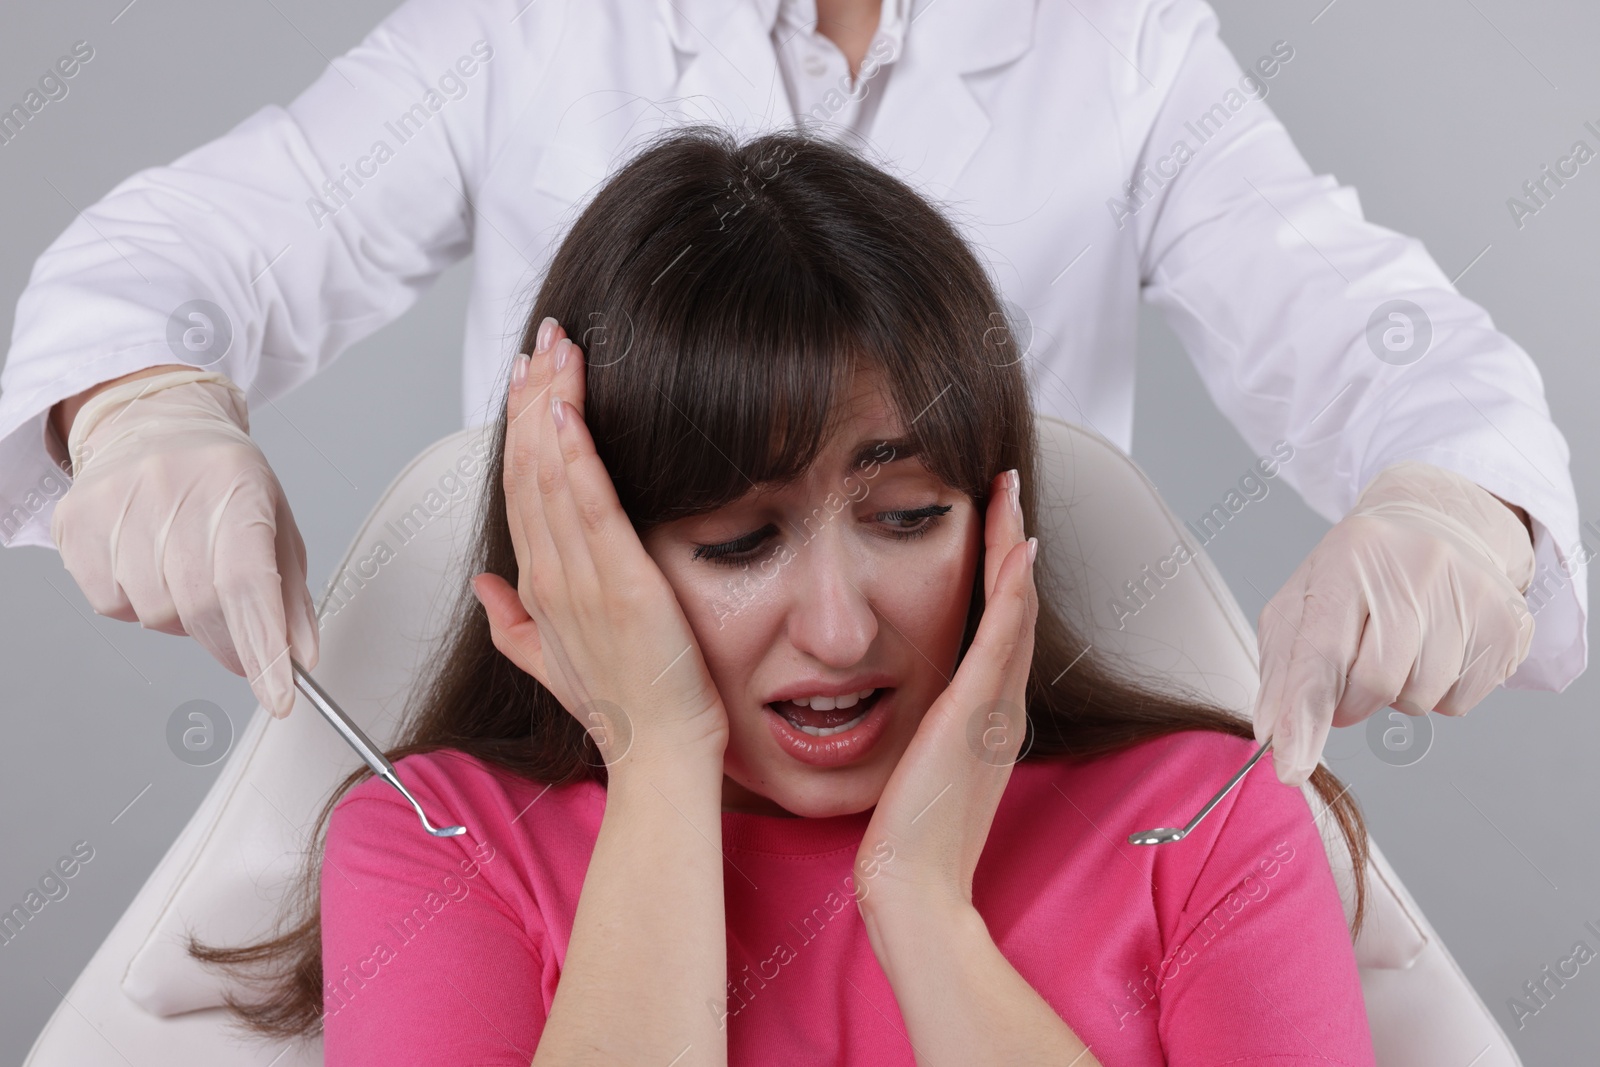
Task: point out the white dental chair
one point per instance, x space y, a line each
142 1001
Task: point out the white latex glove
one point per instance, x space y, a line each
175 519
1412 601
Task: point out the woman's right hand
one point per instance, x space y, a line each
592 617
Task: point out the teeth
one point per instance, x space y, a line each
816 731
848 700
845 701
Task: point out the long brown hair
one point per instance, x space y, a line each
723 296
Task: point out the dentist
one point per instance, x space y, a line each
1097 152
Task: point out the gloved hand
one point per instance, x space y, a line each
175 519
1412 601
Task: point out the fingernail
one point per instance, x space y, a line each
1016 494
1033 549
519 369
547 329
561 353
557 411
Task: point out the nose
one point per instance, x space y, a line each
830 613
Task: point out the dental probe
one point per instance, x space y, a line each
363 745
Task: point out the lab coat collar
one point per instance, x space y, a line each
988 32
801 16
928 119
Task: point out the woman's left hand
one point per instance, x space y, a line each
923 841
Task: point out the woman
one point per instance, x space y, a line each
737 731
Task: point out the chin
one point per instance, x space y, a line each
825 797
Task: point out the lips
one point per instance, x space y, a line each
845 747
802 716
808 687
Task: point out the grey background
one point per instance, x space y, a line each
1436 110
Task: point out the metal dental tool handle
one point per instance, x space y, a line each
363 745
1164 834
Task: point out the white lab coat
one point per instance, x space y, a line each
1048 130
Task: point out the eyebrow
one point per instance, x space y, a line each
867 452
871 451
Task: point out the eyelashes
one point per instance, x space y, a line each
747 548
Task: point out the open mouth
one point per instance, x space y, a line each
828 721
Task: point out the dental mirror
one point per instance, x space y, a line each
1164 834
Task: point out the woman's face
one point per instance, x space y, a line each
856 577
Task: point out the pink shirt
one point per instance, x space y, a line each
1228 947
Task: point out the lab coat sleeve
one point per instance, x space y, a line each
310 226
1270 276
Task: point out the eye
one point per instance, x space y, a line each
925 517
739 550
745 549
